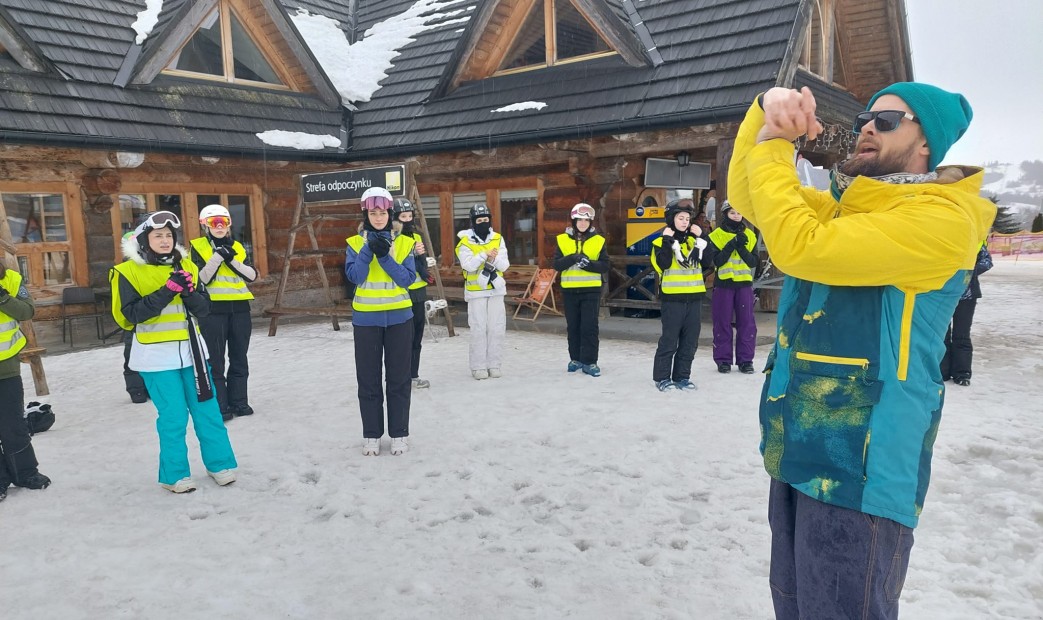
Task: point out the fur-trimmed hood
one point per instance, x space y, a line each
132 250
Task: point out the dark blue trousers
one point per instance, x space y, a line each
832 562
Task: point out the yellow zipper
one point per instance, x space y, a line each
831 359
905 335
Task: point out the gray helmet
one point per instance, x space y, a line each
402 205
478 210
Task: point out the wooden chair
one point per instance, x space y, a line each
535 295
80 295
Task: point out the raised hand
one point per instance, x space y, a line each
789 114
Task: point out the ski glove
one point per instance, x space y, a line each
489 271
740 238
379 244
180 282
227 252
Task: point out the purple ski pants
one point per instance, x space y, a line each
728 304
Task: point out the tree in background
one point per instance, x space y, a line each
1037 224
1005 222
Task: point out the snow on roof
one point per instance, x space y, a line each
524 105
356 70
147 20
298 140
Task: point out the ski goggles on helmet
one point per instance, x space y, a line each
217 221
886 120
159 219
582 212
377 202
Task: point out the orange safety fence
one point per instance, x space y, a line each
1018 246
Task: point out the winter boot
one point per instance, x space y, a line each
185 485
370 446
746 368
494 373
685 384
480 374
242 409
138 395
592 370
34 480
399 445
574 366
665 385
223 477
724 368
420 384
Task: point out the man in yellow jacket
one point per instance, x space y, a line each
853 393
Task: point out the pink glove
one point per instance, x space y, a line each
180 282
190 286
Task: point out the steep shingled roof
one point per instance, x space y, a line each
717 55
88 40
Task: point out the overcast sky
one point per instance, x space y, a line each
992 53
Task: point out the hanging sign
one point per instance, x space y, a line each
345 185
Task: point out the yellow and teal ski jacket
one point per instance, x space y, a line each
853 395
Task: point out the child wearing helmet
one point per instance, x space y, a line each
379 262
730 251
405 214
224 269
678 258
155 293
483 259
581 258
18 464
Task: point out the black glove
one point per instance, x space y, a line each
4 294
575 257
380 245
740 239
226 252
180 282
489 271
583 262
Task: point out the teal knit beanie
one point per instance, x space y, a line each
944 116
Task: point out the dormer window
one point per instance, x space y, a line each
554 32
223 49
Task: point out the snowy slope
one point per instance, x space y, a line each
538 495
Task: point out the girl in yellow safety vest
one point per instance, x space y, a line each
581 258
677 257
224 270
483 259
379 262
731 252
156 293
18 465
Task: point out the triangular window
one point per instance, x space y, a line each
541 42
223 48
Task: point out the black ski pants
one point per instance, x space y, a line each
419 297
581 317
682 321
228 333
393 345
956 363
131 378
17 457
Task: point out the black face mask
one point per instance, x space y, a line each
482 230
220 241
409 227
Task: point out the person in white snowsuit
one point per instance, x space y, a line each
483 258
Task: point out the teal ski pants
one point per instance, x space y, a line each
173 393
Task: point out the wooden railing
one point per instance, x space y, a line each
619 283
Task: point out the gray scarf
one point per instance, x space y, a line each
839 182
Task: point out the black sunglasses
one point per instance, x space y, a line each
886 120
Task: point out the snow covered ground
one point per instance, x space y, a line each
538 495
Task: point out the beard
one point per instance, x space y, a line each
880 165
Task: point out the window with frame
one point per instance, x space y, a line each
821 53
243 204
554 32
39 226
223 48
518 209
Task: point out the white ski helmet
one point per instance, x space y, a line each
213 211
376 198
582 211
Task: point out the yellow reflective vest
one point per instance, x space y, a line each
471 278
172 323
418 282
379 292
677 280
574 277
11 338
735 269
227 285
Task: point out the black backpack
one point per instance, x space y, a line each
38 417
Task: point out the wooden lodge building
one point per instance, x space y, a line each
527 105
